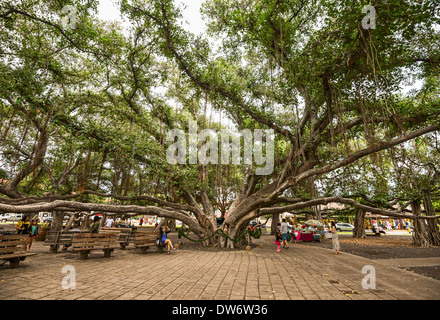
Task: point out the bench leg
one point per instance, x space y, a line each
108 253
53 248
84 254
160 249
14 263
123 246
144 250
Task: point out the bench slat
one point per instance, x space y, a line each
11 237
13 243
95 235
92 245
88 243
13 256
97 245
94 240
145 239
12 249
94 248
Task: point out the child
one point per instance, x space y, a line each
33 232
278 239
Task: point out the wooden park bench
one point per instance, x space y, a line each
376 232
55 239
146 239
124 235
145 228
13 249
86 242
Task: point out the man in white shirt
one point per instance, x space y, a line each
109 222
284 230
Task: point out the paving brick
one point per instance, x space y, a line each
302 272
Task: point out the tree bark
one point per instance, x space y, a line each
432 226
56 226
359 229
172 224
57 221
273 225
420 237
70 222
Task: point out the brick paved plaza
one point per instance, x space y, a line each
300 272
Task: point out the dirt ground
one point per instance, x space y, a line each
427 271
383 247
387 247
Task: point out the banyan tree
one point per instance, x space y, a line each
89 108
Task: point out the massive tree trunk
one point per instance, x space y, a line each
426 232
56 226
57 221
420 237
432 226
359 228
273 225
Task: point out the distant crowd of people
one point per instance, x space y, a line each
282 233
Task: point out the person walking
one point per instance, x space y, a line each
284 230
335 239
33 232
278 239
408 227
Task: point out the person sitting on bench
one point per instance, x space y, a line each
94 228
163 238
381 230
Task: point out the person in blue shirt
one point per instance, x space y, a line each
33 232
164 240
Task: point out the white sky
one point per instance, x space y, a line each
109 11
